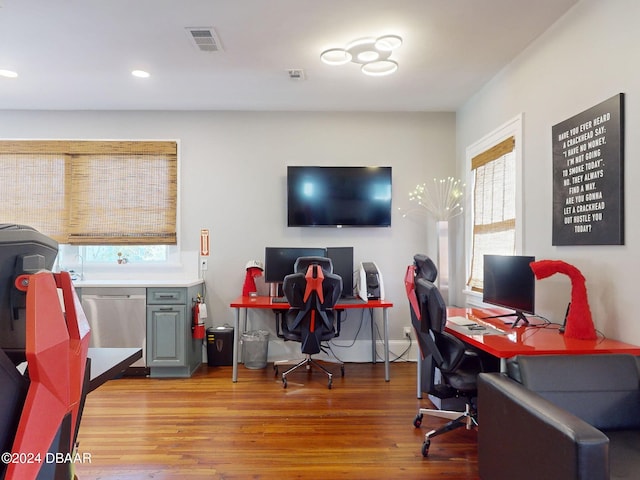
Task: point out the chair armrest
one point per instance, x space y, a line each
524 436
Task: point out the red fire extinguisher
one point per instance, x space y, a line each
197 326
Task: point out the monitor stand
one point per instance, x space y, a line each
518 314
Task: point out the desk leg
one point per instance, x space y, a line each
236 337
503 365
419 374
373 337
385 320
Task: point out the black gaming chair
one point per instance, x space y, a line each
312 292
459 367
13 392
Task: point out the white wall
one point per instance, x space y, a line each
588 56
233 176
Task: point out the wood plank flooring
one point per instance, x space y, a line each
208 427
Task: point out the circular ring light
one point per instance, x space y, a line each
380 68
388 42
373 54
335 56
368 56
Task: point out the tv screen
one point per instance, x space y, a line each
509 282
339 196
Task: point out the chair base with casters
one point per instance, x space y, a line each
307 362
311 344
467 419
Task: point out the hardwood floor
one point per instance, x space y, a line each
207 427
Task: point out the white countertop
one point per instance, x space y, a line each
147 283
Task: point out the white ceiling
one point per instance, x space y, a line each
78 54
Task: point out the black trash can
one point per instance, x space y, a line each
220 346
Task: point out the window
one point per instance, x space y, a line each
494 217
92 192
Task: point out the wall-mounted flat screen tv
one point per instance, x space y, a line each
338 196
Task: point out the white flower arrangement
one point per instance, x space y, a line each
443 200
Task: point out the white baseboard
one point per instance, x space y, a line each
359 351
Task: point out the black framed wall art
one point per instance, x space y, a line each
588 176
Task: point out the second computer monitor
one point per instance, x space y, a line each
342 259
279 261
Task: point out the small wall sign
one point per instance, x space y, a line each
588 176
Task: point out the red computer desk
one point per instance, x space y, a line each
526 340
243 304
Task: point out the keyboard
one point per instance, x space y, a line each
462 321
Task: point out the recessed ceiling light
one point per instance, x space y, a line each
8 73
140 74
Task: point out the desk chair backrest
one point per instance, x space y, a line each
447 350
422 268
302 264
425 268
312 296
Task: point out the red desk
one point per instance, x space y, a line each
527 340
243 304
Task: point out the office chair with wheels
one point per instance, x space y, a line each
458 366
312 292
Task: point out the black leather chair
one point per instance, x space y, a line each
458 366
13 392
312 292
561 417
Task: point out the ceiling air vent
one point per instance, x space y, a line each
204 39
296 73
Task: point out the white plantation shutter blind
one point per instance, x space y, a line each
494 206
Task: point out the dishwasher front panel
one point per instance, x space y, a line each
117 317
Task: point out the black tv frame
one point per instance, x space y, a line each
344 200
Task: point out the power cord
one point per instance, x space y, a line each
396 357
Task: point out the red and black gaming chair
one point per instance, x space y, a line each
312 292
459 366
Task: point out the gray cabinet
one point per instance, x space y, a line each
171 349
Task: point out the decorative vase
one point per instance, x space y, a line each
442 280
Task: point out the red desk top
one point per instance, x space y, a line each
267 302
529 340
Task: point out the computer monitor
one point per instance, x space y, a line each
22 250
509 282
342 259
279 261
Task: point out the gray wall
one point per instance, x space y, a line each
233 174
588 56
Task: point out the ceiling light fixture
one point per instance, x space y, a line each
8 73
371 53
140 74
